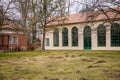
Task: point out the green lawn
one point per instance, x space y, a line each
60 65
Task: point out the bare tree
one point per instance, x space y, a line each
38 11
4 11
42 12
22 7
98 7
57 9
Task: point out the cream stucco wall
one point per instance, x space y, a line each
80 46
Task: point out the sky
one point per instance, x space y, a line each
17 14
75 6
12 11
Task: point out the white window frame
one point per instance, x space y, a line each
13 41
10 41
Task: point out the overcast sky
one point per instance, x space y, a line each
74 7
77 5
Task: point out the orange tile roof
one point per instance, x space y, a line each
9 25
86 17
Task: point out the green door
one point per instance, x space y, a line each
87 37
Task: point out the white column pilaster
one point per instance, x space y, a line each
108 41
93 37
51 39
80 38
69 38
60 38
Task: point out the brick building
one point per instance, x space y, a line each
12 37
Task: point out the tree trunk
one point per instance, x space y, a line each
43 40
34 35
44 25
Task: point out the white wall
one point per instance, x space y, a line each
80 46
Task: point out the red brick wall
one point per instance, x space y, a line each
4 44
22 41
0 40
5 40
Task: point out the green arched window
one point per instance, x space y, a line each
56 37
87 37
115 34
74 36
65 37
101 35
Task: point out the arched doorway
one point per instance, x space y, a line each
87 37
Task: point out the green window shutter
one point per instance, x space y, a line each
115 34
56 37
101 35
74 36
65 37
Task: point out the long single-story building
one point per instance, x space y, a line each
78 32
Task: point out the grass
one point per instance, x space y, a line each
60 65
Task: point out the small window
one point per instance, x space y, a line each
10 40
15 41
47 41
